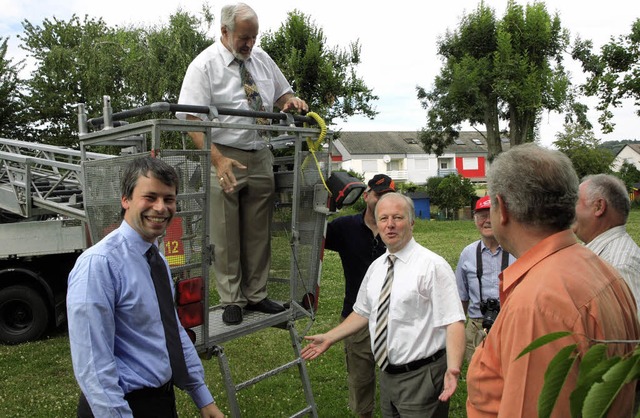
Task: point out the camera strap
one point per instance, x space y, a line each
505 264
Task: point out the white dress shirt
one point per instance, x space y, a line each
424 300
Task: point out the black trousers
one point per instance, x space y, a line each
144 403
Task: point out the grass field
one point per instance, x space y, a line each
36 379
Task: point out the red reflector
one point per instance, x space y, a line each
191 315
189 291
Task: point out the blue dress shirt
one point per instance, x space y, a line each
115 331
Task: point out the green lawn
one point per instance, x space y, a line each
36 379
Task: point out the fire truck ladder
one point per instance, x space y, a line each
39 180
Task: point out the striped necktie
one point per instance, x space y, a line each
380 341
252 92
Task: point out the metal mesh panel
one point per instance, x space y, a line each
297 229
185 243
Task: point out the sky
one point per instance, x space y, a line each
398 41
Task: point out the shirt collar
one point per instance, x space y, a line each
227 56
134 239
513 274
405 252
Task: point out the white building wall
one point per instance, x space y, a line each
627 154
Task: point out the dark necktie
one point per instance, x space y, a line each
161 282
252 92
380 341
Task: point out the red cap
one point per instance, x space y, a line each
483 203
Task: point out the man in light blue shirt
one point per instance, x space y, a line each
477 272
119 350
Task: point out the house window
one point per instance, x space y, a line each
444 165
393 165
470 163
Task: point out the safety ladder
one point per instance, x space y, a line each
298 228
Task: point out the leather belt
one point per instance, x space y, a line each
145 393
414 365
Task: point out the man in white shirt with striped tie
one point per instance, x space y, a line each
410 301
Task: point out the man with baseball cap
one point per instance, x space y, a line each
477 277
356 239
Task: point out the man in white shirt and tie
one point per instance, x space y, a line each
417 330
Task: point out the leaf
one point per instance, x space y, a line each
554 379
545 339
586 380
602 394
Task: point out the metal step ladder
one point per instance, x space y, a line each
232 388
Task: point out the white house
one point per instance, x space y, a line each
400 155
630 153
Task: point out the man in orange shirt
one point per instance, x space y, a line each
555 285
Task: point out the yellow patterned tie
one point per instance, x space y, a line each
251 90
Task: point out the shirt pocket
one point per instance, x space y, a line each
267 91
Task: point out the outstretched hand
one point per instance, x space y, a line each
318 345
451 377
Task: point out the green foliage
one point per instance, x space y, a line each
452 193
600 378
612 75
80 61
584 151
509 69
326 78
629 174
432 189
12 112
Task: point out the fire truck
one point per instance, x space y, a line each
56 201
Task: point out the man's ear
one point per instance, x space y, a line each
503 213
600 207
124 202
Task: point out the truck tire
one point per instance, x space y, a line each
23 315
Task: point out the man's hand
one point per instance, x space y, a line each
319 344
224 169
450 384
211 411
295 103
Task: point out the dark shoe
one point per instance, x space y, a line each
232 315
266 306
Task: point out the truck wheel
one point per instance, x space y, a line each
23 315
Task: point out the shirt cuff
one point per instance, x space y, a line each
201 396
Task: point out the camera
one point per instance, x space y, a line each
490 309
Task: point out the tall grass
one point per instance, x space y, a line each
36 379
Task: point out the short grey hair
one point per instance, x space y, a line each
411 210
611 189
538 186
240 11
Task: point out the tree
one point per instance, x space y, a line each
584 151
613 75
629 174
324 77
497 70
82 61
454 192
12 113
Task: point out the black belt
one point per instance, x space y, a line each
414 365
150 392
